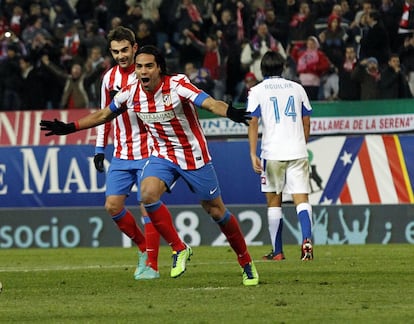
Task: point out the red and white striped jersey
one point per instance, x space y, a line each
170 116
131 141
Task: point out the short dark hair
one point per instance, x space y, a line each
374 14
272 64
121 33
159 58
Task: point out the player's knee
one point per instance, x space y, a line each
113 207
148 197
151 191
216 211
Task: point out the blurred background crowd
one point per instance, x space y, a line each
53 53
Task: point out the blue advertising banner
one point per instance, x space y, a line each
59 176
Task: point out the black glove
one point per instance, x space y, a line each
238 115
57 127
113 92
98 159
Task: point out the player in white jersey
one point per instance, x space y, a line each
167 106
284 110
132 147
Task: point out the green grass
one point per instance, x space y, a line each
344 284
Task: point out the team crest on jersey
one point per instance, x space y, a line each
263 180
167 100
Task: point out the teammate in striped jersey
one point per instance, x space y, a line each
167 106
284 110
132 147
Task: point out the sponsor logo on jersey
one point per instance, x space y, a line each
156 117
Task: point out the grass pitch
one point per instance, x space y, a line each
344 284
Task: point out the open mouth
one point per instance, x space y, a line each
145 81
122 62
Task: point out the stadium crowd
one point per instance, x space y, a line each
53 53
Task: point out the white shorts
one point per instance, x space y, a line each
291 177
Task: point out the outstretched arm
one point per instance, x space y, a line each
223 109
99 117
57 127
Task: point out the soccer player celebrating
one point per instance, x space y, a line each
284 109
132 146
167 106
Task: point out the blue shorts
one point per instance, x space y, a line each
123 175
203 182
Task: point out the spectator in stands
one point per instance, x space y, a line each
406 24
186 16
322 23
133 15
92 37
9 38
115 22
172 56
349 89
85 10
333 40
39 9
214 62
390 12
150 9
101 14
375 42
248 82
151 12
4 26
191 46
33 90
34 27
167 20
10 79
64 14
355 33
368 75
302 23
407 59
330 85
277 26
311 65
96 61
145 34
346 13
72 41
393 83
228 33
258 12
113 8
6 10
41 45
364 11
253 52
74 95
199 77
243 16
17 20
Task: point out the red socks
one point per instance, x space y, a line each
127 224
231 229
153 243
162 221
